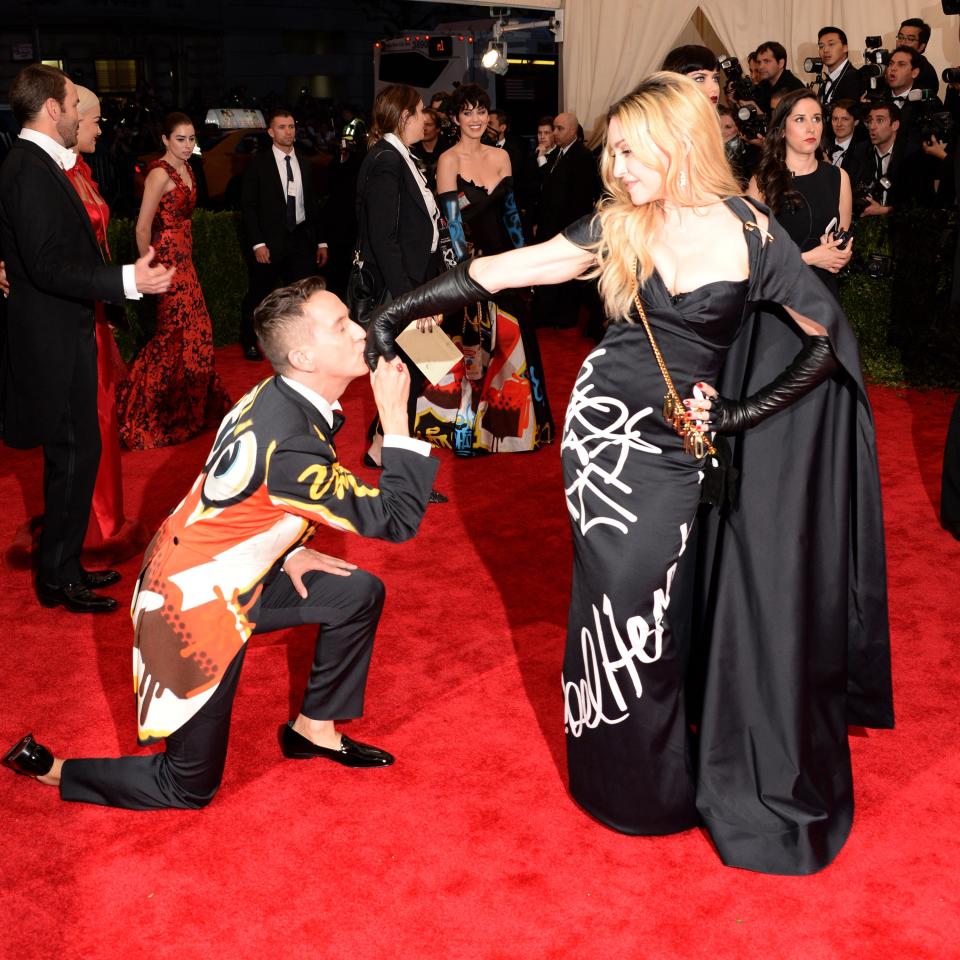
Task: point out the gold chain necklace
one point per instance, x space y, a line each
694 442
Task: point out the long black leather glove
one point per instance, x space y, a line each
450 291
811 366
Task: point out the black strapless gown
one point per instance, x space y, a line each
633 493
500 405
776 606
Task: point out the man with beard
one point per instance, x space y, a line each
56 272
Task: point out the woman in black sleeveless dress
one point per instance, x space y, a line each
496 400
805 193
783 596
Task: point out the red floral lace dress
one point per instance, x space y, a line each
110 535
173 391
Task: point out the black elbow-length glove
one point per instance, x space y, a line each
451 290
811 366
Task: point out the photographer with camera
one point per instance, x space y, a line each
842 77
811 199
775 77
742 155
886 175
915 34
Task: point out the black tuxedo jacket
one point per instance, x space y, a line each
264 203
905 171
56 272
848 86
570 189
393 222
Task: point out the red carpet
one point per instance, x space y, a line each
469 846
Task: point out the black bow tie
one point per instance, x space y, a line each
338 421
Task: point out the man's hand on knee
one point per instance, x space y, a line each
298 564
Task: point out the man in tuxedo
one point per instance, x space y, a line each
498 124
843 79
849 142
569 191
56 272
281 221
915 33
231 560
775 77
892 158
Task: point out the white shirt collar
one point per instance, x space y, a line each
280 155
395 141
844 144
898 96
62 156
324 406
837 70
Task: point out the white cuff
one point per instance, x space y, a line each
257 246
130 290
323 244
541 159
407 443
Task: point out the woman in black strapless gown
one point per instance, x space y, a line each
805 193
495 401
779 601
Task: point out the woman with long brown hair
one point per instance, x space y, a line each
397 218
779 594
805 192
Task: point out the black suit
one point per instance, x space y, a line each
848 86
396 231
293 253
570 190
56 272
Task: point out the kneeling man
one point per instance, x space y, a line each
230 561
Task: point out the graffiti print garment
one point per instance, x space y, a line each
779 603
271 477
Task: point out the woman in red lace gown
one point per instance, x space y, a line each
173 391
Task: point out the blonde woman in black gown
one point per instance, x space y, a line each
782 597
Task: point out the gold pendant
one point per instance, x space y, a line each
668 408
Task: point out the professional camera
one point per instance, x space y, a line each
864 191
951 75
753 123
739 85
877 266
932 120
875 60
813 65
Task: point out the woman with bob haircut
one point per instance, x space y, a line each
775 598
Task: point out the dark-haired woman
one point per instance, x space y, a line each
397 216
804 192
173 391
495 401
698 63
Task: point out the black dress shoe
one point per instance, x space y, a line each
437 497
252 352
95 579
28 757
76 597
351 754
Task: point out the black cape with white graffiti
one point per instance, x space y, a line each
763 627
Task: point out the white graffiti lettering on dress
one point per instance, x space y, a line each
588 441
583 701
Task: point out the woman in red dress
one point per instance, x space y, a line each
173 391
111 537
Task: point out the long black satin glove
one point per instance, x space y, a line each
811 366
448 292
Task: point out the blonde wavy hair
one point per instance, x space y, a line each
671 127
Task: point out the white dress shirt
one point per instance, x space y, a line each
832 77
281 159
429 202
65 158
840 149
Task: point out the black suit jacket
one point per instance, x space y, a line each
849 86
393 222
570 190
264 203
56 272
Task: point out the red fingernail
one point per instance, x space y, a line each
399 366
